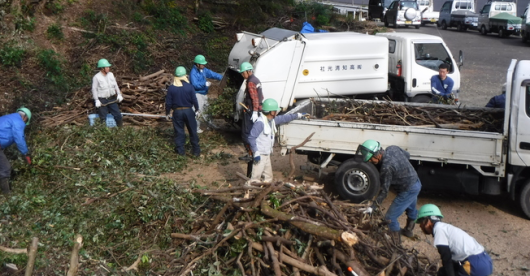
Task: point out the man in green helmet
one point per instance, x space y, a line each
181 98
261 139
253 101
461 254
199 76
395 171
106 93
12 131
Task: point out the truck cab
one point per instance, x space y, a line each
413 59
500 18
458 13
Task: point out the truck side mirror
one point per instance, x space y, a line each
460 59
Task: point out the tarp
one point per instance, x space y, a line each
308 28
506 17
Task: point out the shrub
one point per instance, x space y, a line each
11 55
166 15
205 22
55 31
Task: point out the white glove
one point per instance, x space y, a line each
368 210
208 84
254 117
168 117
98 103
120 98
302 115
197 114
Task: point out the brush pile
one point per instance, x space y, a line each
285 229
140 95
392 113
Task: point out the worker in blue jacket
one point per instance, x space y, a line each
198 77
181 99
498 101
12 131
442 85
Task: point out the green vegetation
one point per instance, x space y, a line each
205 22
314 12
104 184
166 15
25 23
53 65
55 31
11 55
223 106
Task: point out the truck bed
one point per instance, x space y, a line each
431 144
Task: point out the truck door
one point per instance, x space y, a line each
521 146
445 13
483 17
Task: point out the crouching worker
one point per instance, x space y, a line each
12 131
261 139
395 171
461 254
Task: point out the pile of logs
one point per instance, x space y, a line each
285 229
140 95
481 119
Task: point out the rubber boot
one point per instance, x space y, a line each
4 186
119 123
407 231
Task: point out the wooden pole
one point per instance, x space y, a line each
31 256
74 258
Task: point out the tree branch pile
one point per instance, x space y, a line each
283 229
140 95
439 116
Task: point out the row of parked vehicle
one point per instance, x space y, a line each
498 17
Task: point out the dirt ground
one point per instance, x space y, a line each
495 222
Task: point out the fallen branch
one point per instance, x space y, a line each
74 258
31 256
293 149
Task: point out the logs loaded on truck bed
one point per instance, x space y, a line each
465 149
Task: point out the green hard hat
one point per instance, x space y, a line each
245 66
428 210
103 63
368 149
27 112
180 71
200 59
270 105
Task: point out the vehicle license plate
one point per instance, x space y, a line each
433 20
408 22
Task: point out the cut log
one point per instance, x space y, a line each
74 258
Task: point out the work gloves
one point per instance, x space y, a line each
303 115
370 209
208 84
197 114
254 117
28 159
120 98
257 157
98 104
168 117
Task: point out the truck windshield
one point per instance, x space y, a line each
431 55
387 3
409 4
423 2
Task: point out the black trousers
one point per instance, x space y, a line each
112 108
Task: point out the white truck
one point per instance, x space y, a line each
500 18
428 15
293 66
459 14
474 162
525 24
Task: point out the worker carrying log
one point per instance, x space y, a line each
199 76
106 93
181 98
395 171
12 131
461 254
261 139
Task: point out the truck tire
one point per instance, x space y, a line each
357 180
524 199
444 25
417 26
524 37
483 30
502 33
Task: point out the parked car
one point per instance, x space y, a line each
460 14
500 18
377 8
525 25
403 13
428 15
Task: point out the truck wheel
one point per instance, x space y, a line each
459 27
483 30
524 199
502 33
357 180
444 25
421 99
524 37
417 26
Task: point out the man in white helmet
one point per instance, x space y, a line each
106 93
